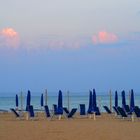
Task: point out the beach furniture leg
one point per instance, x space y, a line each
59 117
132 117
27 116
94 116
90 116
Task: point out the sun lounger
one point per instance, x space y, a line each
66 110
54 109
137 111
57 111
107 109
82 109
127 109
31 114
124 115
47 112
72 113
31 111
116 111
18 115
97 111
122 112
15 112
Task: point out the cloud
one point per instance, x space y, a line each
104 37
9 38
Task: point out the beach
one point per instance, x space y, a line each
105 127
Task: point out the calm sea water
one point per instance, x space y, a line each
72 101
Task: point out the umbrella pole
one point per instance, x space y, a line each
68 100
21 104
21 101
94 116
132 117
90 116
110 94
99 101
46 97
129 96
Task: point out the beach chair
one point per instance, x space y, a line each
31 114
122 113
72 113
54 109
137 111
82 109
97 111
66 110
127 109
18 115
107 109
57 112
116 111
47 112
31 111
15 112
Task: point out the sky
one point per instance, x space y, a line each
73 45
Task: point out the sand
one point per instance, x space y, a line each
106 127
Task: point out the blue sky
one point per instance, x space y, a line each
69 45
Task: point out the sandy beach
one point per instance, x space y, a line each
105 127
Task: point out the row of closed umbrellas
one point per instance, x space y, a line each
28 100
132 102
92 99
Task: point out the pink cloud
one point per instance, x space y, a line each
9 37
104 37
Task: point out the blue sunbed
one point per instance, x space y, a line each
82 109
71 114
47 112
107 109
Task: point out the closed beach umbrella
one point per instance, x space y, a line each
60 102
116 99
16 100
123 99
28 102
94 99
90 102
42 100
132 103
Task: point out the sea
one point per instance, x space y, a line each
70 100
